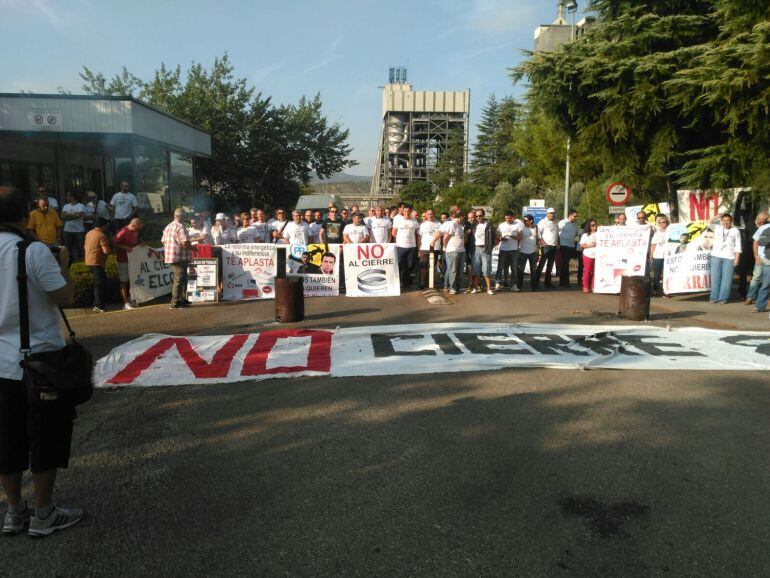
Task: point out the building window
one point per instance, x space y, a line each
151 178
182 183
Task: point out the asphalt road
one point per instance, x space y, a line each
516 472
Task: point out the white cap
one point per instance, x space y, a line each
550 210
220 217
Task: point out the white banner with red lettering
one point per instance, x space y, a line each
687 272
371 270
619 251
248 271
154 360
697 205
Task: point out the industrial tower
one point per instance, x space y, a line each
416 126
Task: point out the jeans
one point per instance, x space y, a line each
657 274
525 258
764 289
406 261
482 263
100 284
588 273
567 254
547 257
756 281
74 243
721 278
507 263
454 263
179 286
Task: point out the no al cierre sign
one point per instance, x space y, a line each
436 348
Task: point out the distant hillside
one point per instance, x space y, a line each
341 178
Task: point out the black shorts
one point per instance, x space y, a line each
32 436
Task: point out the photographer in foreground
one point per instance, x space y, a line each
33 435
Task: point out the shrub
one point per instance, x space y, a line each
84 283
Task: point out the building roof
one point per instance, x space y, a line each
91 114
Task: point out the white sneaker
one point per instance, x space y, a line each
128 307
490 292
515 289
15 523
474 291
452 292
498 285
58 519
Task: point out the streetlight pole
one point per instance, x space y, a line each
572 7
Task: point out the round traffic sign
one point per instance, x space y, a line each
618 194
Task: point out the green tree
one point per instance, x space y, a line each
450 167
495 158
607 90
261 153
419 194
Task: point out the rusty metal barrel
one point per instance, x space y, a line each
289 291
634 298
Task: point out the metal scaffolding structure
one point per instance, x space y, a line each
416 129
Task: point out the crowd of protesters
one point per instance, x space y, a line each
458 243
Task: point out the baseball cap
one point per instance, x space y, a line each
550 210
220 217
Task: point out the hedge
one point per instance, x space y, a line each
84 283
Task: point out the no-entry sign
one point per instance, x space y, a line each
618 194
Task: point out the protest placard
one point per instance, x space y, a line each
149 277
320 266
687 272
248 271
202 280
371 270
619 251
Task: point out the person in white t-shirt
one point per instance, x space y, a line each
483 236
454 250
297 232
428 231
407 234
379 226
123 205
34 436
659 247
356 232
509 233
724 258
221 232
277 225
315 226
74 231
95 207
548 230
588 244
527 252
198 233
246 233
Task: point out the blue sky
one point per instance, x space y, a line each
286 48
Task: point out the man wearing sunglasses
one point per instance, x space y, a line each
332 227
278 225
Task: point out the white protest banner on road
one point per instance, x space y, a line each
154 360
248 271
320 267
687 272
371 270
619 251
148 275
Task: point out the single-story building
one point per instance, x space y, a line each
85 143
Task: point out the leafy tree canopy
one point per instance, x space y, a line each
261 153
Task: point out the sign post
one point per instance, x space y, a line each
618 194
